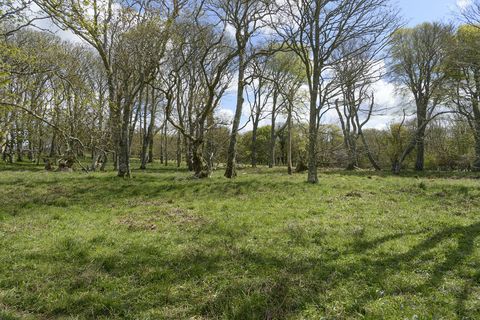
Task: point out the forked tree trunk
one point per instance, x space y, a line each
96 158
397 164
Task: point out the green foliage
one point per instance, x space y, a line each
397 139
419 56
289 63
263 143
463 58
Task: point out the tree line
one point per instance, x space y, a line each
147 78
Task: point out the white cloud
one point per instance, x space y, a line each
462 4
225 115
385 95
65 35
49 25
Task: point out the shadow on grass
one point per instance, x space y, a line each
381 269
232 282
291 276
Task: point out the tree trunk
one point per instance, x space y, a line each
397 164
150 150
254 143
146 133
165 147
200 168
124 147
188 154
96 157
52 145
40 149
420 162
289 141
115 118
273 136
144 152
10 153
352 154
104 161
133 122
161 146
19 145
476 162
372 160
230 171
312 134
421 118
179 150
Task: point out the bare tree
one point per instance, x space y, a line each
202 65
247 18
355 76
314 30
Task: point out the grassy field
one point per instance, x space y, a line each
359 245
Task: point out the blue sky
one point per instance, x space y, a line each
418 11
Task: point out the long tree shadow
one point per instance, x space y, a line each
382 267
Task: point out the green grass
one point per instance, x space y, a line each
263 246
